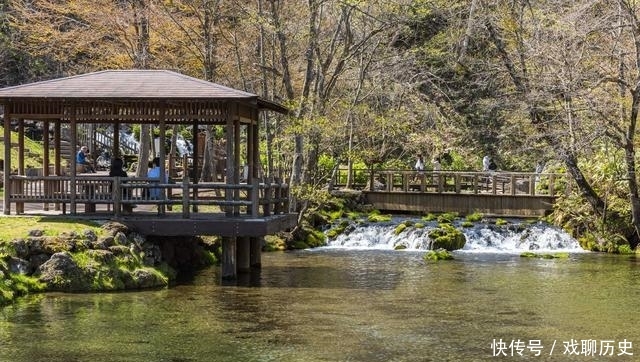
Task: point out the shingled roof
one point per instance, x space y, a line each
131 85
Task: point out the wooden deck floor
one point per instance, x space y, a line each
146 220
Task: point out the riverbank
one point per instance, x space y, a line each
90 256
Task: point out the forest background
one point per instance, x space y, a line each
373 83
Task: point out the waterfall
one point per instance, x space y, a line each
514 237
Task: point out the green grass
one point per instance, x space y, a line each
34 147
18 227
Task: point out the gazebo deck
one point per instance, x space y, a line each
146 220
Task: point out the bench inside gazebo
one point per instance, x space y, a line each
238 209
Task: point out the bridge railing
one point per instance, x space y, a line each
257 199
459 182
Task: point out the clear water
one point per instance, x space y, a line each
347 305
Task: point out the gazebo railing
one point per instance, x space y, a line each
258 199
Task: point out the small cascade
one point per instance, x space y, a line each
515 237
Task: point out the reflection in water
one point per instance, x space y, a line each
341 305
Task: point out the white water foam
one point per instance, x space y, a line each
482 237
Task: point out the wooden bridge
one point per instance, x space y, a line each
517 194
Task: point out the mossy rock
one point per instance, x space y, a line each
429 217
475 217
447 217
439 254
530 254
466 224
447 237
316 238
500 222
274 243
378 218
400 228
418 225
400 247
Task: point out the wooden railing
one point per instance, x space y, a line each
258 199
459 182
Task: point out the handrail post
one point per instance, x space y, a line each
494 184
116 194
532 185
552 181
255 198
266 211
513 184
185 195
277 207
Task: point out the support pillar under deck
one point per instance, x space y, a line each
242 253
256 251
229 258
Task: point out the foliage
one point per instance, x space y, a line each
517 80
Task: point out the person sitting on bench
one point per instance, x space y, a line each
83 159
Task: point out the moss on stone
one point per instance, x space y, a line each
429 217
474 217
375 216
446 236
447 217
438 254
316 238
274 243
400 228
530 254
501 222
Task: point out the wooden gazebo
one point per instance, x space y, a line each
161 98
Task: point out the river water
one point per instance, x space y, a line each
351 302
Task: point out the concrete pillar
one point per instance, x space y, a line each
256 251
229 258
242 253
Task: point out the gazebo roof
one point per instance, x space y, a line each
131 85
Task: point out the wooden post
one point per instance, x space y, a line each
73 167
185 191
116 194
243 246
255 252
266 209
229 258
7 159
236 161
45 161
254 211
163 169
